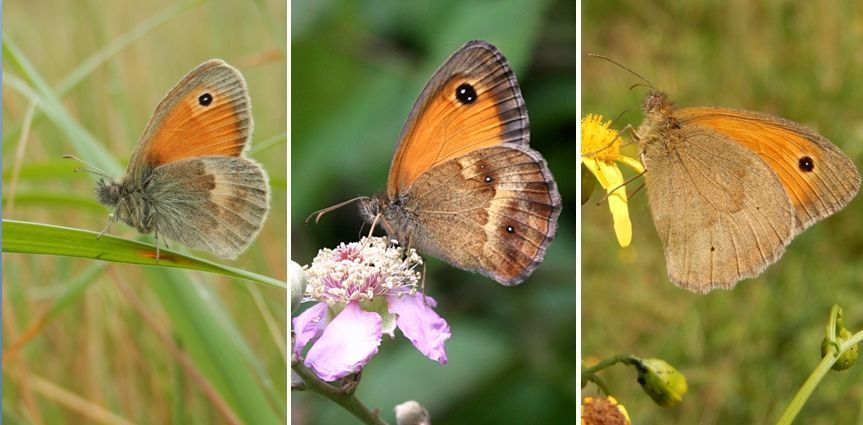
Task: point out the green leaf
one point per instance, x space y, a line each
36 238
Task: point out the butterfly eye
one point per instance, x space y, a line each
465 94
205 99
806 164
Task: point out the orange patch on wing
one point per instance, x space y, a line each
779 146
445 130
192 129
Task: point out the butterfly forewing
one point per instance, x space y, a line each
818 178
208 113
473 101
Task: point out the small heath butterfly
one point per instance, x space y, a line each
188 179
463 184
729 189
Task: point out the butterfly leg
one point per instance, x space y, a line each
628 181
423 285
372 230
156 232
111 218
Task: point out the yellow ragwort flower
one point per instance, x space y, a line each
603 411
600 153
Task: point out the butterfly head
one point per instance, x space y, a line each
109 192
371 208
656 101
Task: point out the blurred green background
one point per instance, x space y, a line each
91 342
357 68
745 351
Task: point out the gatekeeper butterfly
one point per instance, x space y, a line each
188 179
463 184
729 189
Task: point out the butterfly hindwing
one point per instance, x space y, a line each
502 204
216 204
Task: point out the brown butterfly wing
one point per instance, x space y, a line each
208 113
818 178
720 211
217 204
472 101
492 211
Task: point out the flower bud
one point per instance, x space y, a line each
297 277
848 358
603 411
412 413
662 382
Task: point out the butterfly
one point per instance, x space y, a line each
464 185
188 179
729 189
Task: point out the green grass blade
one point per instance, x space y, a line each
36 238
205 330
85 144
117 45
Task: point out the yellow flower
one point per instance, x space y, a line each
596 411
600 153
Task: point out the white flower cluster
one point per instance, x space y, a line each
360 271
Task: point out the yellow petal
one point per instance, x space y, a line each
631 163
594 167
617 202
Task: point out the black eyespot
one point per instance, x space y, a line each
205 99
712 248
806 164
510 229
465 93
488 179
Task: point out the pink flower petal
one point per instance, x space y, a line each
308 325
421 325
346 345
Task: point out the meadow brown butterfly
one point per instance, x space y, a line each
463 184
728 189
188 179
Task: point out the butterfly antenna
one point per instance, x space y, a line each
319 213
90 168
594 55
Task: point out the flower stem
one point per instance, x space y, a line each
587 374
348 401
814 379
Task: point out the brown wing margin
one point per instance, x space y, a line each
440 127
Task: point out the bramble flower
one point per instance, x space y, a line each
363 290
603 411
600 153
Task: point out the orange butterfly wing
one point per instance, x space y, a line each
472 101
208 113
818 178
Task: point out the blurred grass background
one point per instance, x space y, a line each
90 342
745 351
357 67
